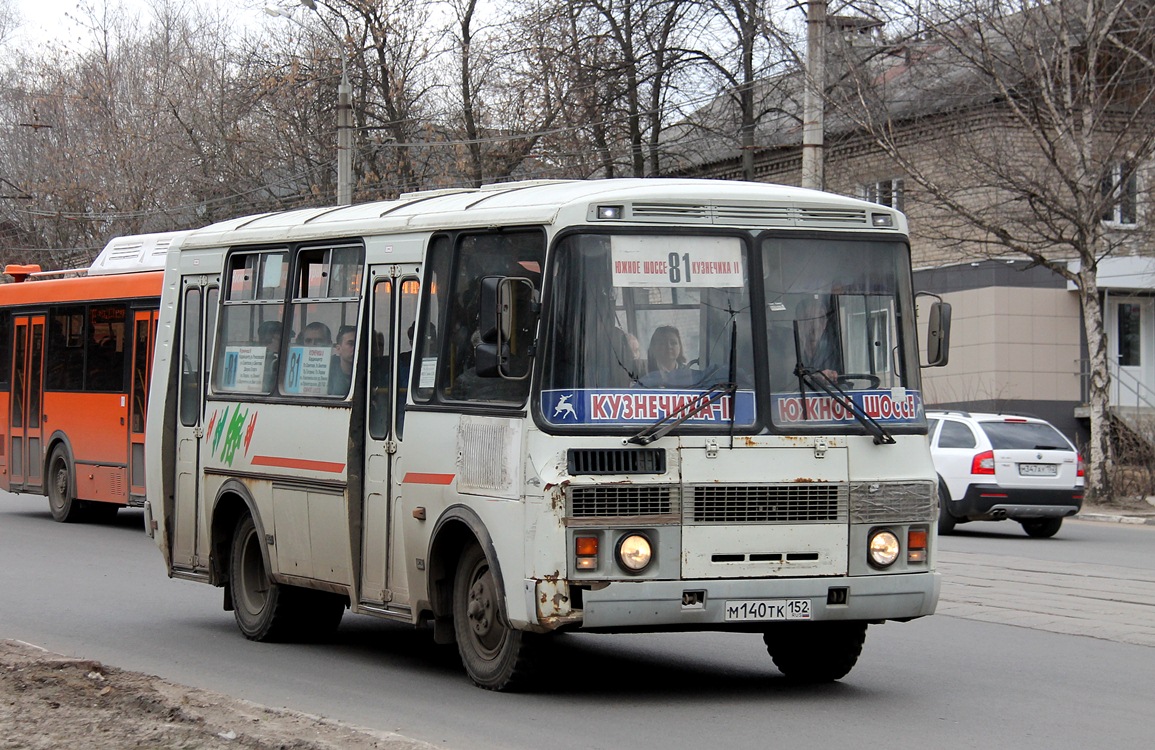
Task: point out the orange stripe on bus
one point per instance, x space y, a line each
416 477
298 463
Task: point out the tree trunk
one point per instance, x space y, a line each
1100 458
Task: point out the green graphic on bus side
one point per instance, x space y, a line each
229 433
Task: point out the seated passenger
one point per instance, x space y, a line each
316 334
819 350
667 361
341 366
269 336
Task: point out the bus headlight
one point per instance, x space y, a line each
634 552
883 548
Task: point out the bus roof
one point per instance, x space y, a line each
129 267
134 253
680 201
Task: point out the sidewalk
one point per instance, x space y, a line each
1133 512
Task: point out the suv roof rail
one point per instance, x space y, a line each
1022 414
959 412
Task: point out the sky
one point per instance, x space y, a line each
49 20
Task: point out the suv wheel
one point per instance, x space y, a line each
1042 528
946 522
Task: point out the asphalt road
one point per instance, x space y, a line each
981 674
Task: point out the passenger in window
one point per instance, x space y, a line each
667 361
316 334
818 348
269 336
341 366
269 333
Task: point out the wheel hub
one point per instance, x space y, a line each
480 608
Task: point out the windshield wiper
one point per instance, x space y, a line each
704 400
818 381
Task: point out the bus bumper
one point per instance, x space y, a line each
702 604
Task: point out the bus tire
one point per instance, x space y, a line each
495 656
259 605
814 652
61 499
268 611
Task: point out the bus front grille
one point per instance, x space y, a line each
776 503
892 502
610 500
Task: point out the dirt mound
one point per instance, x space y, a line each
52 701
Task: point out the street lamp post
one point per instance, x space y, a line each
344 106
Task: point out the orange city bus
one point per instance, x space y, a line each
75 356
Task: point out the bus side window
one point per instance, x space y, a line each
428 346
255 286
5 350
190 371
379 363
511 254
407 322
323 305
104 364
65 361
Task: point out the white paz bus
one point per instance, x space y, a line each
594 406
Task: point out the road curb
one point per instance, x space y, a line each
1116 518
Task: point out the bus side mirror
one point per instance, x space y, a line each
507 315
938 335
490 317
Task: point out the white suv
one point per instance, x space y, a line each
997 466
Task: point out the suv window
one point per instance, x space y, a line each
956 435
1024 435
931 426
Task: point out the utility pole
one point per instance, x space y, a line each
344 106
344 138
344 118
813 173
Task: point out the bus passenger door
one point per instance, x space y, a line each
25 459
393 311
198 311
143 336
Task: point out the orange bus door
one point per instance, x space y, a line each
143 336
25 450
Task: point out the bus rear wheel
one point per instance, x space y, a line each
268 611
813 652
495 656
61 499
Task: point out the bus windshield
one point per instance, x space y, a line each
835 331
641 326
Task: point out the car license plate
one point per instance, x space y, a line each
758 610
1038 470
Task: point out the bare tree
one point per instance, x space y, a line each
1025 123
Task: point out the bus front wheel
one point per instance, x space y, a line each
61 499
813 652
495 656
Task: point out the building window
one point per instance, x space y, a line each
885 192
1119 187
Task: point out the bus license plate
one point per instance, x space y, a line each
758 610
1038 470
